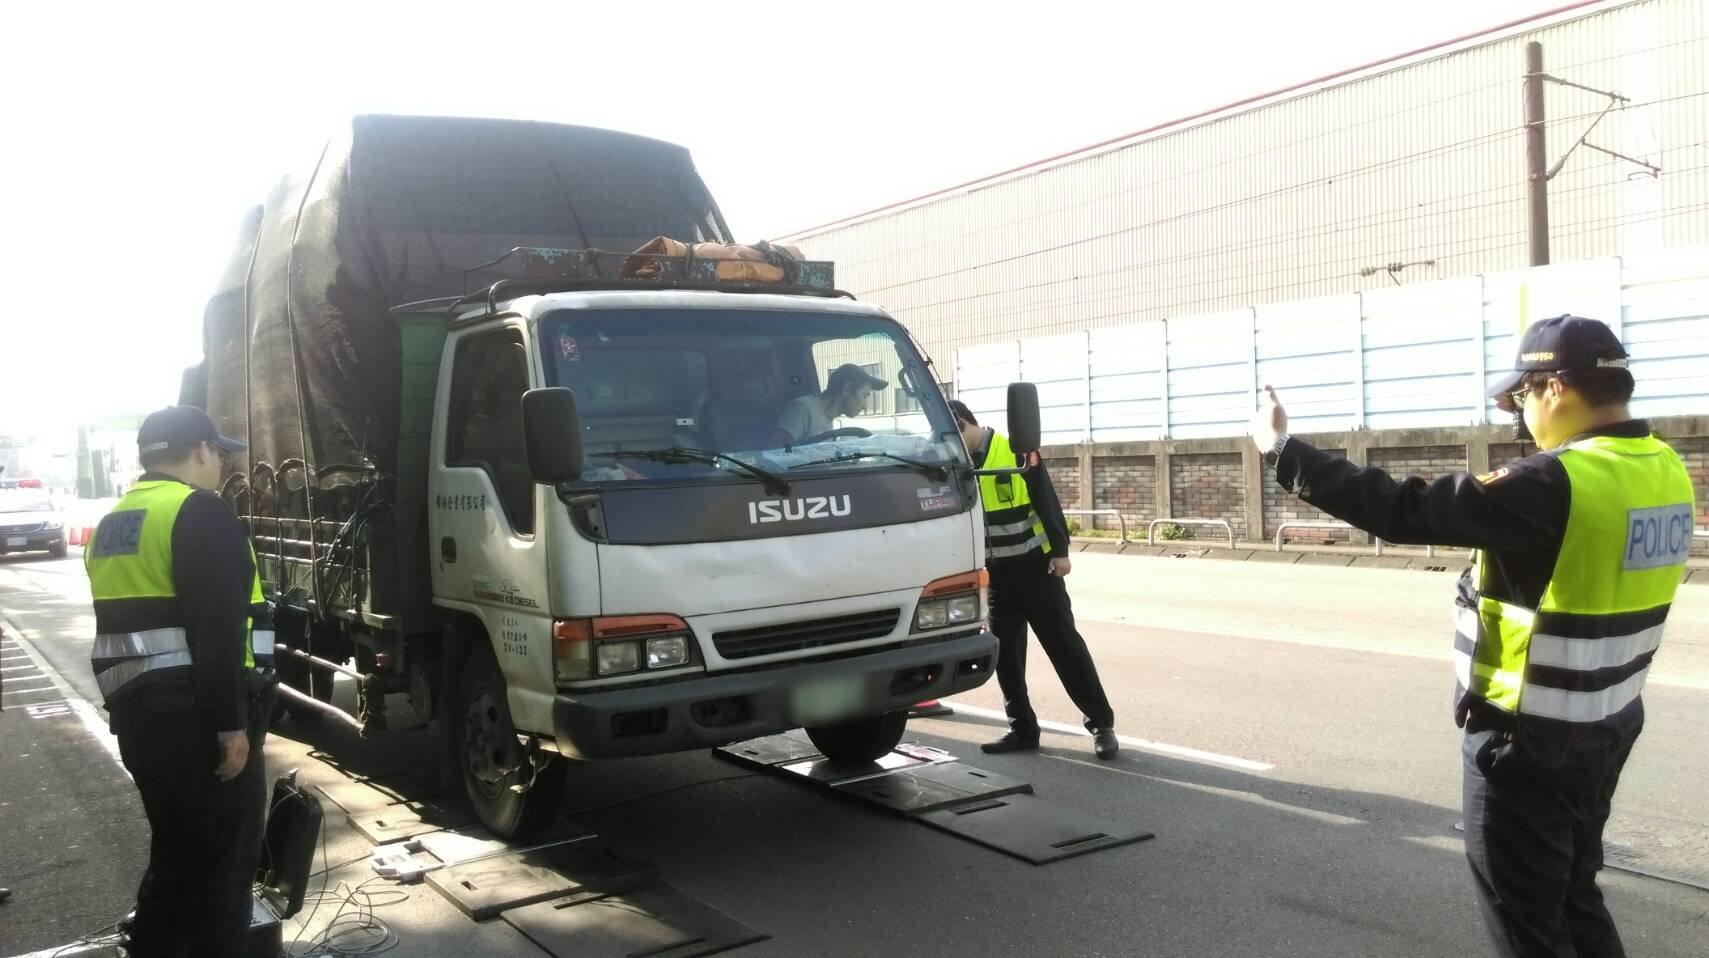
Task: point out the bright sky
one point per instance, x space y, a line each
136 137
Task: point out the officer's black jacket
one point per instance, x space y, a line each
1516 515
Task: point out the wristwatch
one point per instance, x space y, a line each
1275 451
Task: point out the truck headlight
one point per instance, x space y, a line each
933 614
955 600
613 658
963 608
613 645
668 652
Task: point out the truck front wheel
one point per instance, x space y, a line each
860 741
493 760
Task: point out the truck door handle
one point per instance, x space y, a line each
448 549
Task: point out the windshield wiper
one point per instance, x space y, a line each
930 469
679 454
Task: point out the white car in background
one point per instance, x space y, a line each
31 522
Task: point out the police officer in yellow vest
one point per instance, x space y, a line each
174 584
1579 548
1026 552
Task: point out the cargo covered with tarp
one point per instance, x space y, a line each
302 347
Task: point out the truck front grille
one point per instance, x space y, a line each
811 634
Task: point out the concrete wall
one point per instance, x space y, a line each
1225 478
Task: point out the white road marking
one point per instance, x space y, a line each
1349 645
92 719
1144 745
1328 818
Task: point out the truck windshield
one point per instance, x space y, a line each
799 393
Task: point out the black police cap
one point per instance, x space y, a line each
1563 343
182 427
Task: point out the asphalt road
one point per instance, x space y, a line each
1301 776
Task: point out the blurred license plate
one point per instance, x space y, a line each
828 700
16 543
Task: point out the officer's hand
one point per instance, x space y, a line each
1061 566
234 755
1270 421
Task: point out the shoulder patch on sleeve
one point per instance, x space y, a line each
1484 479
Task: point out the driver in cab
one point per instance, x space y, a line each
806 417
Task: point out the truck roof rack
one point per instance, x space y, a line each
558 270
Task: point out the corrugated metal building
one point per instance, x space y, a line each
1303 193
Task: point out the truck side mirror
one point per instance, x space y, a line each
552 432
1023 418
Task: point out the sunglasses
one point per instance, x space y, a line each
1518 396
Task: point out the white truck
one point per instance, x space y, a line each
571 528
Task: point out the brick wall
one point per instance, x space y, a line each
1426 461
1695 452
1281 506
1209 486
1127 484
1065 478
1502 453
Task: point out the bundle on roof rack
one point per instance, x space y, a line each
761 262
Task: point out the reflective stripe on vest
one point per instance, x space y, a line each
1012 526
120 657
260 650
1583 654
261 647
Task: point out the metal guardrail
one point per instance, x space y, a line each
1376 543
1100 512
1151 529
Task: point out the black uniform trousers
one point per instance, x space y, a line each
195 897
1023 593
1534 839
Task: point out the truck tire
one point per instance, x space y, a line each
491 759
860 741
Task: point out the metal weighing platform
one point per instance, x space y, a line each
568 892
931 786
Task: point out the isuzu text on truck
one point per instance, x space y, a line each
541 488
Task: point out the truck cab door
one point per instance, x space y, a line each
485 554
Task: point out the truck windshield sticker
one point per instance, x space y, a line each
935 500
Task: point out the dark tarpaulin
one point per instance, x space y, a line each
395 210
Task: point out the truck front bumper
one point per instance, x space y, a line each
720 708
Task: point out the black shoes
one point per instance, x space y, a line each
1012 742
1105 744
5 893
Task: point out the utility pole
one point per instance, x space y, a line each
1536 157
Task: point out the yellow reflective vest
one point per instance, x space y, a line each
1581 656
1012 526
129 562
